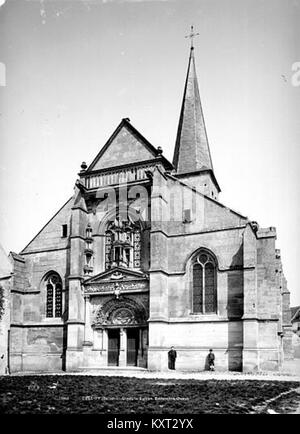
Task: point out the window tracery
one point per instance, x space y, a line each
204 283
53 296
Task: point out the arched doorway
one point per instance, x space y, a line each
124 321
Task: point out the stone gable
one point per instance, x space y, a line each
50 236
125 148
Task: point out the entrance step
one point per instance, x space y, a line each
115 368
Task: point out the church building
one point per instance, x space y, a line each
143 257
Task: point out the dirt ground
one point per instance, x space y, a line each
61 394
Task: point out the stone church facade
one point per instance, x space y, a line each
143 257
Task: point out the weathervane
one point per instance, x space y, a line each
192 35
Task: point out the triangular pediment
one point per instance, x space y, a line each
117 274
125 146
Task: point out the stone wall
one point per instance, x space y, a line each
296 345
5 284
192 341
37 342
5 287
252 301
37 348
245 326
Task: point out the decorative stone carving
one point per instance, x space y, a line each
120 311
123 316
117 275
137 285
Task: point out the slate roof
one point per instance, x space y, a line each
192 151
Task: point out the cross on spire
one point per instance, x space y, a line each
192 35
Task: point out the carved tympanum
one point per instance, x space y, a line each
120 311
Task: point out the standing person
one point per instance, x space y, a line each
211 360
172 357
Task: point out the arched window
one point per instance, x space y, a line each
204 283
123 244
54 296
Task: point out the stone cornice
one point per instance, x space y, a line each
234 228
74 237
220 269
79 207
45 250
38 324
75 277
8 276
197 319
19 291
75 321
197 173
258 318
175 273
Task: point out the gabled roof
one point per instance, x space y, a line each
192 151
125 146
52 220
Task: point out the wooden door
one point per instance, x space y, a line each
132 346
113 347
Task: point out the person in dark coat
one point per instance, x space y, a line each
172 358
211 360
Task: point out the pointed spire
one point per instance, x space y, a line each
191 149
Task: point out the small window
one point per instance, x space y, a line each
64 231
186 216
89 260
88 232
88 244
194 200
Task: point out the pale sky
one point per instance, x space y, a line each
75 68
